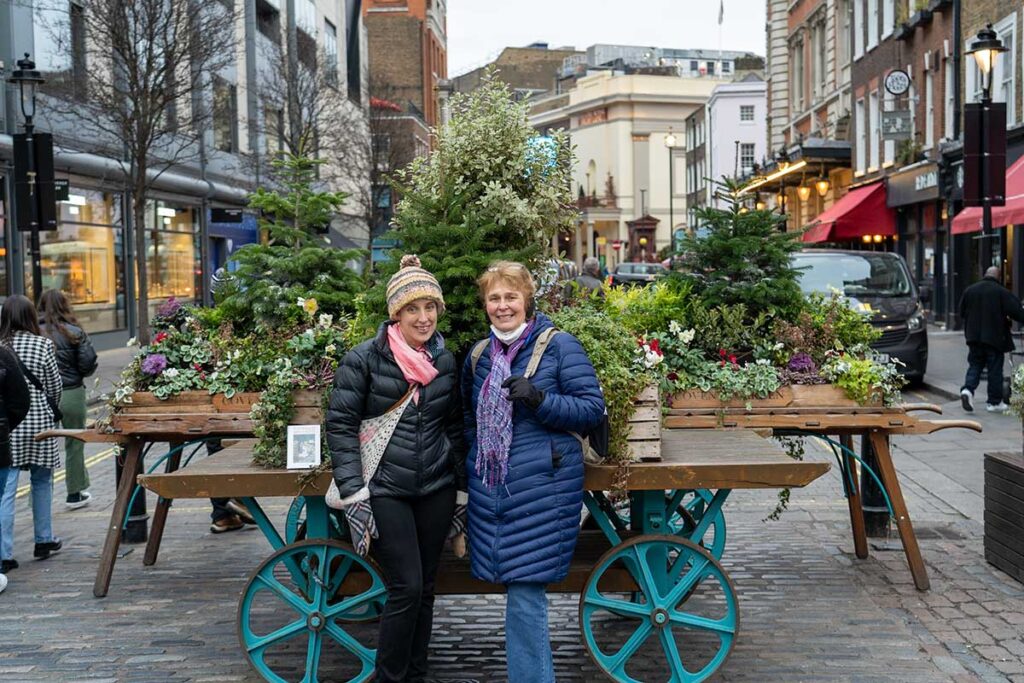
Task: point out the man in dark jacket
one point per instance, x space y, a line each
587 283
986 309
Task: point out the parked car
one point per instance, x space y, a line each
880 284
634 273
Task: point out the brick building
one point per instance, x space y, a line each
408 53
529 70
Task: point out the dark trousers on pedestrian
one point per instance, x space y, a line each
980 357
220 505
411 535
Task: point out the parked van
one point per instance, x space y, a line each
878 283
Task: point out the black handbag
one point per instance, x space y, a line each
54 406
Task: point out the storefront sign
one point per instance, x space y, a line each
919 184
219 215
896 125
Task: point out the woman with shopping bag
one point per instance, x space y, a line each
394 429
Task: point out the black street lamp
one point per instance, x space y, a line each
986 49
27 78
670 143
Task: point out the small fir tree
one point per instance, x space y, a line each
492 189
745 257
292 262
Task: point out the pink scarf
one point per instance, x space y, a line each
416 364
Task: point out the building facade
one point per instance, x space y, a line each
529 71
408 53
194 213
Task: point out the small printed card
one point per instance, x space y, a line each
303 447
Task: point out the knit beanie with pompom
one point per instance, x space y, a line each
410 283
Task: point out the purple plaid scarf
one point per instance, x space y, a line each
494 412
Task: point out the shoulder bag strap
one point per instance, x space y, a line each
477 353
539 347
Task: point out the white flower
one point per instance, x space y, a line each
132 342
171 372
330 348
652 359
325 320
778 346
687 336
674 327
300 302
763 361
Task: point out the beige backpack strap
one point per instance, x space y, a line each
539 347
475 354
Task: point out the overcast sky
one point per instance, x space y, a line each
479 29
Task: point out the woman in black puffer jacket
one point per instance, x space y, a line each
411 496
77 360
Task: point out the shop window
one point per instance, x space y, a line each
85 258
173 259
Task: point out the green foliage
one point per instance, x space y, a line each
646 310
826 324
743 259
611 349
864 379
728 327
293 262
491 190
1017 392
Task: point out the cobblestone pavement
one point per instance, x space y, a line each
810 611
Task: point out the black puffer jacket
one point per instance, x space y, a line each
14 402
427 450
75 356
986 309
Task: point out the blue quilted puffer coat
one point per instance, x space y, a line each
526 529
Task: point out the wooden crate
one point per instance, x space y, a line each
793 396
644 438
1004 512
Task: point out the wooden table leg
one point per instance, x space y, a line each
887 472
129 473
860 536
163 506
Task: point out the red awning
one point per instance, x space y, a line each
969 220
862 211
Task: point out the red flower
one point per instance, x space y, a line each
197 367
721 353
654 346
160 336
672 376
732 359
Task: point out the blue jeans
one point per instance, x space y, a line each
527 643
984 357
42 500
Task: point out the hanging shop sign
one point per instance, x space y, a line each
914 185
897 82
896 125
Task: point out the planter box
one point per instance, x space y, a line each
188 402
794 396
644 440
308 408
1004 512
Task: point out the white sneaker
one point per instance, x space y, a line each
997 408
967 400
3 583
79 500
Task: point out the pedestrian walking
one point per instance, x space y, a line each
77 360
588 283
394 430
987 308
14 406
19 332
525 465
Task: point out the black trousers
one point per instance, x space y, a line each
412 532
220 505
980 357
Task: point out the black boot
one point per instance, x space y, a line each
44 550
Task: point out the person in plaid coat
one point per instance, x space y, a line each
19 332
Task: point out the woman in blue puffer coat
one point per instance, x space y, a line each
525 466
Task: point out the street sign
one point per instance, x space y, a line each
897 82
896 125
61 189
985 152
35 202
616 245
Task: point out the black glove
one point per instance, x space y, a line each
520 389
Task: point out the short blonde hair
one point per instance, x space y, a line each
515 275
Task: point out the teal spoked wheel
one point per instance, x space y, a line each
682 627
292 614
295 522
696 503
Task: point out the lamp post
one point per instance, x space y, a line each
27 78
670 143
985 49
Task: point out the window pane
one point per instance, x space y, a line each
173 260
224 116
